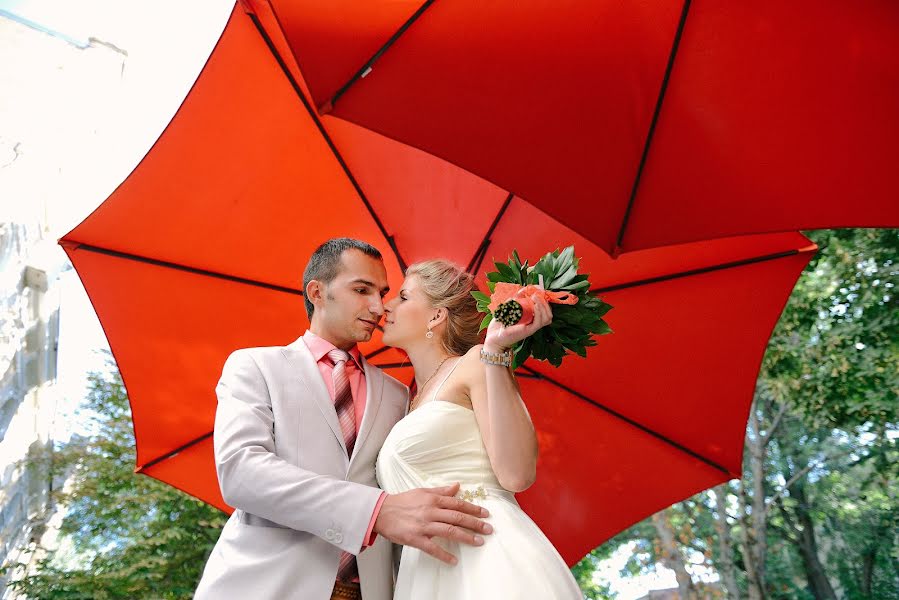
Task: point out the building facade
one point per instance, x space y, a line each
29 334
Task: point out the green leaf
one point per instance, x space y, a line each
521 352
485 322
603 308
507 273
566 257
603 328
566 277
580 285
481 297
540 349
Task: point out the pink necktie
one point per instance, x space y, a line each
343 398
343 403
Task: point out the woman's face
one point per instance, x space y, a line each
406 316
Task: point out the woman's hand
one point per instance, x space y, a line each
500 337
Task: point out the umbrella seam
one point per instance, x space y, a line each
628 420
700 271
174 452
364 69
321 128
374 353
475 264
180 267
616 250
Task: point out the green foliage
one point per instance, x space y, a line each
834 352
573 328
135 537
584 570
827 395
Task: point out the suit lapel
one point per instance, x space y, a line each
374 391
303 365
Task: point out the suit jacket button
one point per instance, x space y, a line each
329 534
338 538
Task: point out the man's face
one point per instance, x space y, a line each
348 309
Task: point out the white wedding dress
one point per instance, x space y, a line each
437 444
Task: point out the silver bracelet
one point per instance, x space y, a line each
503 358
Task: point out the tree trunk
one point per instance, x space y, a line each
755 519
725 544
808 547
672 557
868 559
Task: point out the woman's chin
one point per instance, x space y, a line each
389 340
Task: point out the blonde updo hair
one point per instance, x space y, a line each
447 285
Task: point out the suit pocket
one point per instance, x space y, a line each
257 521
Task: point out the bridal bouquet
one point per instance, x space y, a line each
577 314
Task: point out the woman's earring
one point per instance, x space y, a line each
429 334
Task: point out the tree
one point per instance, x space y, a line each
136 537
815 513
583 574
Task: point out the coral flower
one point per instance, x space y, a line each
504 293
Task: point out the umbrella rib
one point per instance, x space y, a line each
192 270
700 271
478 258
628 420
394 365
366 68
652 126
374 353
321 128
169 455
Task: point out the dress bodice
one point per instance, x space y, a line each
440 443
436 444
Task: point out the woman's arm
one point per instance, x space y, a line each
503 419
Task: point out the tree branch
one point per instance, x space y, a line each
774 424
788 519
801 473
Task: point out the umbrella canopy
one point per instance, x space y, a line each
201 249
635 124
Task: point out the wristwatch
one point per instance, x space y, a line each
503 358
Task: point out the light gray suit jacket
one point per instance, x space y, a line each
282 464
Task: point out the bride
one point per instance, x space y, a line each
467 424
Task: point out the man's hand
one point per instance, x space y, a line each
414 517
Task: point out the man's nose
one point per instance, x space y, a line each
377 307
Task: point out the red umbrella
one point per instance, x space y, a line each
636 124
201 249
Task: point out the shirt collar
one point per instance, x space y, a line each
319 347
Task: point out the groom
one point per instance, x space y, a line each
297 432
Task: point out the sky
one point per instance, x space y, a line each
79 120
83 116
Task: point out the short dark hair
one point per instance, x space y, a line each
324 264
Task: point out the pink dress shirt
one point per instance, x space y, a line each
319 347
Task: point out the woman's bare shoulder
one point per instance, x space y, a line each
474 350
471 365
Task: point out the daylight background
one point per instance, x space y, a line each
87 89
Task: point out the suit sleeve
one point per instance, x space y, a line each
254 479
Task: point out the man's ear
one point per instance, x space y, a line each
315 292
